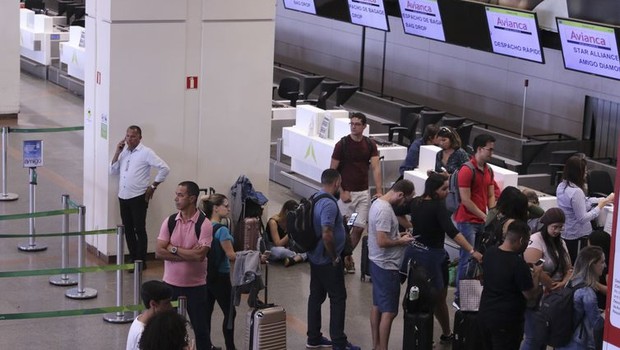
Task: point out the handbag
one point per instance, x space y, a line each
470 287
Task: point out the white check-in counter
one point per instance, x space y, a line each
73 53
40 37
310 153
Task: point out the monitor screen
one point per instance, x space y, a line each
334 9
465 24
589 47
514 33
369 13
422 18
306 6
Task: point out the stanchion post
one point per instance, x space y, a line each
64 279
182 308
137 285
32 246
5 196
81 292
119 316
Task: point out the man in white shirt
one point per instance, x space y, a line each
133 163
156 296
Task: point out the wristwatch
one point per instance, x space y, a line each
174 250
154 187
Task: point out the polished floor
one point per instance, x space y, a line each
46 105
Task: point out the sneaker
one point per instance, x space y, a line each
349 346
446 339
322 343
455 305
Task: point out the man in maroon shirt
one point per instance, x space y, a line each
352 156
477 194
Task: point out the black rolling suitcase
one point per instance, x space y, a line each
467 335
365 264
418 332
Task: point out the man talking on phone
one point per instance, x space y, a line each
133 162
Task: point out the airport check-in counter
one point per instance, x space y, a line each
73 53
40 36
311 141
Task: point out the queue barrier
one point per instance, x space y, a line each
5 195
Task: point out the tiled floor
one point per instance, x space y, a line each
47 105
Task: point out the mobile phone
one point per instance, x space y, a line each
351 220
539 262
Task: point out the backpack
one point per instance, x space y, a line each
553 321
424 293
216 255
453 199
492 234
300 224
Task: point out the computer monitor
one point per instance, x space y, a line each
306 6
590 47
369 13
310 83
601 11
34 5
422 18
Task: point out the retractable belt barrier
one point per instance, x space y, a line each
120 313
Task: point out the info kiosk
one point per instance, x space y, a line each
311 141
40 37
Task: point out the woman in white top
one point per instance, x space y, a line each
548 246
579 209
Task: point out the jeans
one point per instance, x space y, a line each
220 291
196 310
327 280
279 253
469 231
528 341
133 216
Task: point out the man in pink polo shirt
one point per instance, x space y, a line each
184 251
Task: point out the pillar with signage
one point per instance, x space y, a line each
32 158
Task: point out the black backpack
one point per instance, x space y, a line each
300 224
553 320
492 234
216 254
418 279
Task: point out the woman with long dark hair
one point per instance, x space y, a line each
548 246
579 209
219 287
451 156
431 222
278 240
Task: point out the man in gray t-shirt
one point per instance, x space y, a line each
385 250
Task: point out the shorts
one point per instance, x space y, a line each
385 289
359 204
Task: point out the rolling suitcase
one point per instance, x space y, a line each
418 332
266 326
365 264
247 233
466 331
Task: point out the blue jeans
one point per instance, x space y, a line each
196 310
327 280
528 341
469 231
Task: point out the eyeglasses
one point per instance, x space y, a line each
355 124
